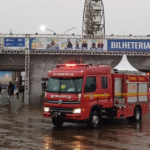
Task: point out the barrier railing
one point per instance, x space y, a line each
16 103
4 99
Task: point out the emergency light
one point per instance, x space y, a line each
70 65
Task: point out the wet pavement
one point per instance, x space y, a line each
29 131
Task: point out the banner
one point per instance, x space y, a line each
14 43
5 78
67 44
128 45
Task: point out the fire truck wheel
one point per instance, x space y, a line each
57 122
93 121
137 114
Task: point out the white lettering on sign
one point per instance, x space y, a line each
9 40
140 45
61 96
63 74
130 45
113 45
20 39
124 45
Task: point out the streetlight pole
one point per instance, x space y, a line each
44 28
50 30
69 30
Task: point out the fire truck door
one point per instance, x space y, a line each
91 88
104 95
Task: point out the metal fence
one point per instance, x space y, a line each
4 99
16 103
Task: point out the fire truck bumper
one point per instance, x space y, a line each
64 113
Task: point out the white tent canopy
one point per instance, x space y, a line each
124 65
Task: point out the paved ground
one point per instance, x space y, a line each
29 131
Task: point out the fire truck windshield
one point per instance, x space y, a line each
65 85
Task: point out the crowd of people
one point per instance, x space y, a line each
84 45
99 45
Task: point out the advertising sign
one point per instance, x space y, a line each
128 45
14 43
5 78
67 44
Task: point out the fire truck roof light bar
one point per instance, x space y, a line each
72 65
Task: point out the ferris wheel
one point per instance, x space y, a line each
93 18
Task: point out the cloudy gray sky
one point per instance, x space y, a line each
26 16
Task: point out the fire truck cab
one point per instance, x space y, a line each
86 93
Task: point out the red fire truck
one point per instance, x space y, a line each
82 92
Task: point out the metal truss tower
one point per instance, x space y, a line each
93 18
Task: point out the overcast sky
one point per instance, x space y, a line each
123 17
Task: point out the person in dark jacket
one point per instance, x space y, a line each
93 45
83 44
77 45
99 45
69 45
10 89
86 45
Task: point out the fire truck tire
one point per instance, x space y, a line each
93 121
137 114
57 122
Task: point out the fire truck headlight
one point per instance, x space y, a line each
46 109
77 111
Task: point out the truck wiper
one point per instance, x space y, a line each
59 87
75 87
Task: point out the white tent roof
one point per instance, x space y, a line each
124 65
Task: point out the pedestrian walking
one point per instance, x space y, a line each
10 89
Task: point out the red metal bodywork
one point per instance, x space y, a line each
103 98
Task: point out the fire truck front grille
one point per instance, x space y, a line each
62 110
63 102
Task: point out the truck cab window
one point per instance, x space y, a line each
90 85
104 83
65 85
